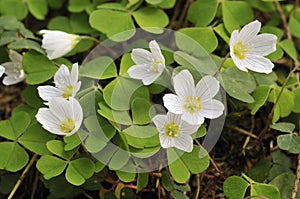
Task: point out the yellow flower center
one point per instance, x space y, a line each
68 92
239 50
192 104
154 67
172 130
74 40
68 125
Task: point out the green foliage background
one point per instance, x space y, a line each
257 154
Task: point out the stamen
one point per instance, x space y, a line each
68 91
172 130
68 125
192 104
239 50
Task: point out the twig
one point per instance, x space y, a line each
87 195
198 185
20 180
243 131
35 184
297 178
183 13
283 19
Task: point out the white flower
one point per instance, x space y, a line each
58 43
149 65
174 132
194 103
2 70
13 69
66 84
247 49
63 117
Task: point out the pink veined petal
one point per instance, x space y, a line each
141 56
211 109
193 119
186 128
49 92
249 31
166 141
184 142
263 45
258 64
143 73
160 122
172 103
184 84
156 52
207 88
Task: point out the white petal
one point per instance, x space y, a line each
141 56
263 44
49 121
160 122
76 89
49 92
172 103
211 109
77 112
143 73
249 31
258 64
156 52
62 76
184 84
187 128
184 142
171 117
193 119
234 38
74 74
10 80
2 69
207 88
238 62
15 56
61 107
166 141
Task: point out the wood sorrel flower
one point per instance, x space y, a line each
66 84
13 70
247 49
63 117
58 43
149 65
174 132
194 103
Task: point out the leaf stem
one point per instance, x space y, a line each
90 38
20 180
221 65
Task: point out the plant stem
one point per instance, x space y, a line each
243 131
297 178
283 19
221 65
90 38
270 116
19 182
